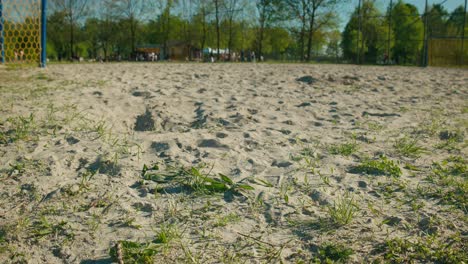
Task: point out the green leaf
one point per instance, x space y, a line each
245 187
263 183
226 179
217 187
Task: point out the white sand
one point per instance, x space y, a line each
242 120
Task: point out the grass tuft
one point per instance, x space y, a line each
429 249
381 166
408 147
343 210
195 179
334 253
346 149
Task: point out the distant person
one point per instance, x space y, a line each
252 56
261 58
21 55
385 60
211 57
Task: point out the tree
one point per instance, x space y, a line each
131 12
372 36
313 17
313 9
268 12
408 32
107 26
56 33
333 46
298 9
217 4
437 21
200 22
165 23
455 22
74 11
232 7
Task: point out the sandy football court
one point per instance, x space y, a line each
233 163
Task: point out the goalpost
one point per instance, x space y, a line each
23 31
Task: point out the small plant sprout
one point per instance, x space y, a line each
408 147
345 149
195 179
343 210
381 166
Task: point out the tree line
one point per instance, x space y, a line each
400 33
278 29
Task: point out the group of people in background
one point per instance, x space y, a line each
234 57
19 55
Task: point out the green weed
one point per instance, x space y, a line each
408 147
133 252
450 179
381 166
334 253
428 249
43 228
345 149
195 179
343 210
167 233
226 219
18 129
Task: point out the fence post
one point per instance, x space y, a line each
2 47
358 48
389 30
463 35
43 33
425 45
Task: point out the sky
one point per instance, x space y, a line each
347 9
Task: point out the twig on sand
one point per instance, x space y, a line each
258 240
119 251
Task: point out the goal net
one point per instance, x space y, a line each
22 31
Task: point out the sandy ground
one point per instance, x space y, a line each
327 162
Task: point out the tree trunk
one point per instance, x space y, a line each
262 29
132 33
311 34
217 27
230 38
302 42
72 36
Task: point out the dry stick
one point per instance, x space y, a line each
269 244
258 240
120 256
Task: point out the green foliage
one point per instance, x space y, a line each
381 166
44 228
167 233
406 26
429 249
408 147
450 179
195 179
372 37
343 210
334 253
133 252
18 129
345 149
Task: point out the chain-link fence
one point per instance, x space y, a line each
408 32
20 31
